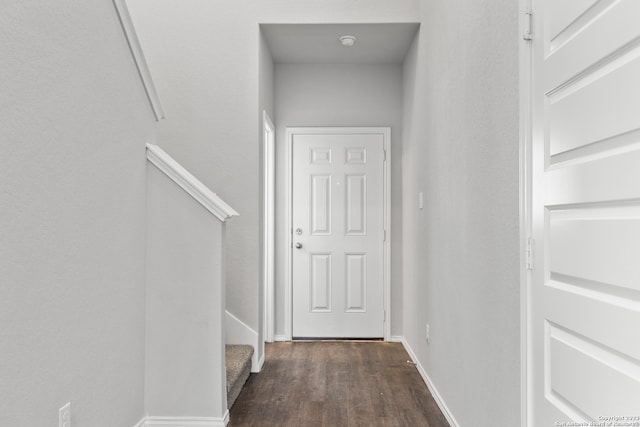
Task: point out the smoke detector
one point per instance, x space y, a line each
348 41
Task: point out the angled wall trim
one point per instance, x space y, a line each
189 183
138 57
238 332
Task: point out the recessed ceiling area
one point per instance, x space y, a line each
320 43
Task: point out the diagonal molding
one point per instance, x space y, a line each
189 183
138 57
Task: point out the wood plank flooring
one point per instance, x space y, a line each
336 384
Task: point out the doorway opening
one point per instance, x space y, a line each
269 226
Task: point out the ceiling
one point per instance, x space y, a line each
319 43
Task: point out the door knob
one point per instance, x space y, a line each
298 245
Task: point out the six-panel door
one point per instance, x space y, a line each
338 235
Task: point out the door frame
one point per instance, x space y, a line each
525 51
268 250
288 276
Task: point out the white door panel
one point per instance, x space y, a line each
337 218
563 14
593 40
579 179
585 295
580 307
596 111
601 371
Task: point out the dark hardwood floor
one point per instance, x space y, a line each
336 384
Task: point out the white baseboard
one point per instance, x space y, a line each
184 421
279 338
396 338
261 362
238 332
432 388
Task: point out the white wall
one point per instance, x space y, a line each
204 56
185 304
340 95
461 252
204 61
74 122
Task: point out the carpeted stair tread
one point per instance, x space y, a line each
238 361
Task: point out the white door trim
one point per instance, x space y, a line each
525 183
288 291
269 226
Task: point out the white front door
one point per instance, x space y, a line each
338 232
585 294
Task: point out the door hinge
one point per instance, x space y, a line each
384 236
384 155
384 315
530 248
528 26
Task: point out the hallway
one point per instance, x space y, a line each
336 384
132 131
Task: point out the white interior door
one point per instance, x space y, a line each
585 295
338 232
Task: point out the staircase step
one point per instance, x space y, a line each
238 361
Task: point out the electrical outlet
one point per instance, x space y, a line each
428 333
64 416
